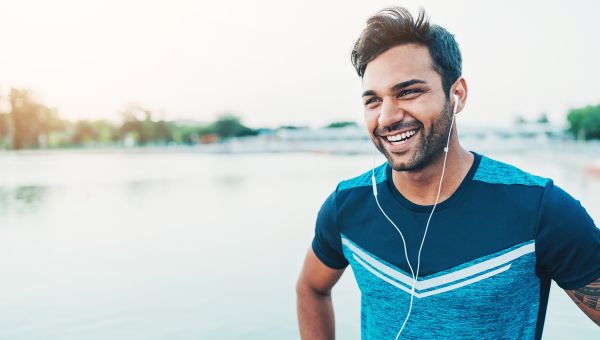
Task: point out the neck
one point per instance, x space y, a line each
421 186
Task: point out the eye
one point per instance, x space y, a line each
372 102
410 93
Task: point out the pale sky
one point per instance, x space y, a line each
282 62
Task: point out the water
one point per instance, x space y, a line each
140 245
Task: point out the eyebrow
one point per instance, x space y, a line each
397 87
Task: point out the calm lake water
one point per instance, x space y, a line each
151 245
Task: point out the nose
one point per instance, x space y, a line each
390 113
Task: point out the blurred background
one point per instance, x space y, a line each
157 159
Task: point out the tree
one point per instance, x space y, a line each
31 119
584 123
163 132
133 124
5 129
5 125
543 119
138 122
106 132
85 132
292 127
335 125
228 126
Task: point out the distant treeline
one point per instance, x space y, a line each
30 124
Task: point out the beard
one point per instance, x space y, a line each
429 148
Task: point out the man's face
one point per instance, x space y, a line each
406 111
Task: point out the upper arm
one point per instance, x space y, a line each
316 276
567 241
587 298
568 249
325 261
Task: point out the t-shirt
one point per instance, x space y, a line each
487 261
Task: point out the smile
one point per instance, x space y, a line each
401 137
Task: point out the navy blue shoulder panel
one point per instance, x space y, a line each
327 244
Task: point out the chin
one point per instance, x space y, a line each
404 162
403 165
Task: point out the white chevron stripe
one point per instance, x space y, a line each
435 291
446 278
381 276
466 282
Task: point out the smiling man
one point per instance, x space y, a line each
443 242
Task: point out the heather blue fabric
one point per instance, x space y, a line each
495 212
482 309
365 179
494 172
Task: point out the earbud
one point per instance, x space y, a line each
455 104
454 112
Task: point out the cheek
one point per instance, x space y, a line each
371 118
427 114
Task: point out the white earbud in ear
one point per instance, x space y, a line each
455 104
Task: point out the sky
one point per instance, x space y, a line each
282 62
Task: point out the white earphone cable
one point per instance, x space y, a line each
415 275
438 193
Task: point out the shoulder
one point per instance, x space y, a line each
364 179
513 192
352 192
495 172
567 240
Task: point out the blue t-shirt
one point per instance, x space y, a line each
490 253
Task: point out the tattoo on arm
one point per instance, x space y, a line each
589 295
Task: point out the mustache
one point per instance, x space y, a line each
397 127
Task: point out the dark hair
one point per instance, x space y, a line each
395 26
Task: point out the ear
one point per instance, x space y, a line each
460 89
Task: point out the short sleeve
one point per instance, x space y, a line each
567 240
327 243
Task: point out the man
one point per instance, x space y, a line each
444 243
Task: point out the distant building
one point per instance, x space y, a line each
355 139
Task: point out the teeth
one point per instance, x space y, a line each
401 137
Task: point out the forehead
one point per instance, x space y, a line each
398 64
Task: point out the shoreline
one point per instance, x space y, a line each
589 150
